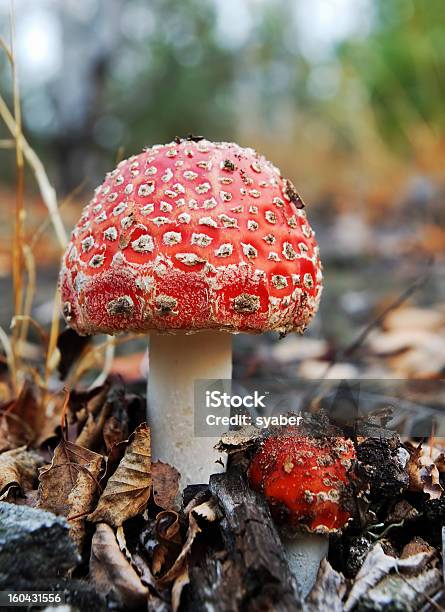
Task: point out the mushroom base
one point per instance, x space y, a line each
304 553
175 362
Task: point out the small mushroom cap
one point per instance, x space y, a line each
304 480
192 235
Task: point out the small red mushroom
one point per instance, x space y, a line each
186 237
304 480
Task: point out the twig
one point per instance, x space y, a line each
416 590
315 395
401 299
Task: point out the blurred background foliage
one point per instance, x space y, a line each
305 82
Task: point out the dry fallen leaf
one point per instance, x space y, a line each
402 511
111 572
113 432
423 473
409 317
19 470
377 565
21 419
411 352
208 511
69 485
294 348
328 591
181 581
165 484
440 463
169 536
128 488
415 546
96 414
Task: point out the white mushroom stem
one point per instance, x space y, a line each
304 553
175 362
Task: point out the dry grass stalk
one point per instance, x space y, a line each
47 191
51 355
29 293
109 351
19 228
22 253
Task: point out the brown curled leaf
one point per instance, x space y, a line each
111 572
423 473
128 488
165 484
207 511
113 432
19 470
69 485
169 536
22 419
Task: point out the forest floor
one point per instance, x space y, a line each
132 539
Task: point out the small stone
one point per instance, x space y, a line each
33 543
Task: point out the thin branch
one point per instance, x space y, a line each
315 395
401 299
416 590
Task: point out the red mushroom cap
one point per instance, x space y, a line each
304 480
192 236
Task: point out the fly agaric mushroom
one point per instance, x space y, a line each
304 480
192 236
